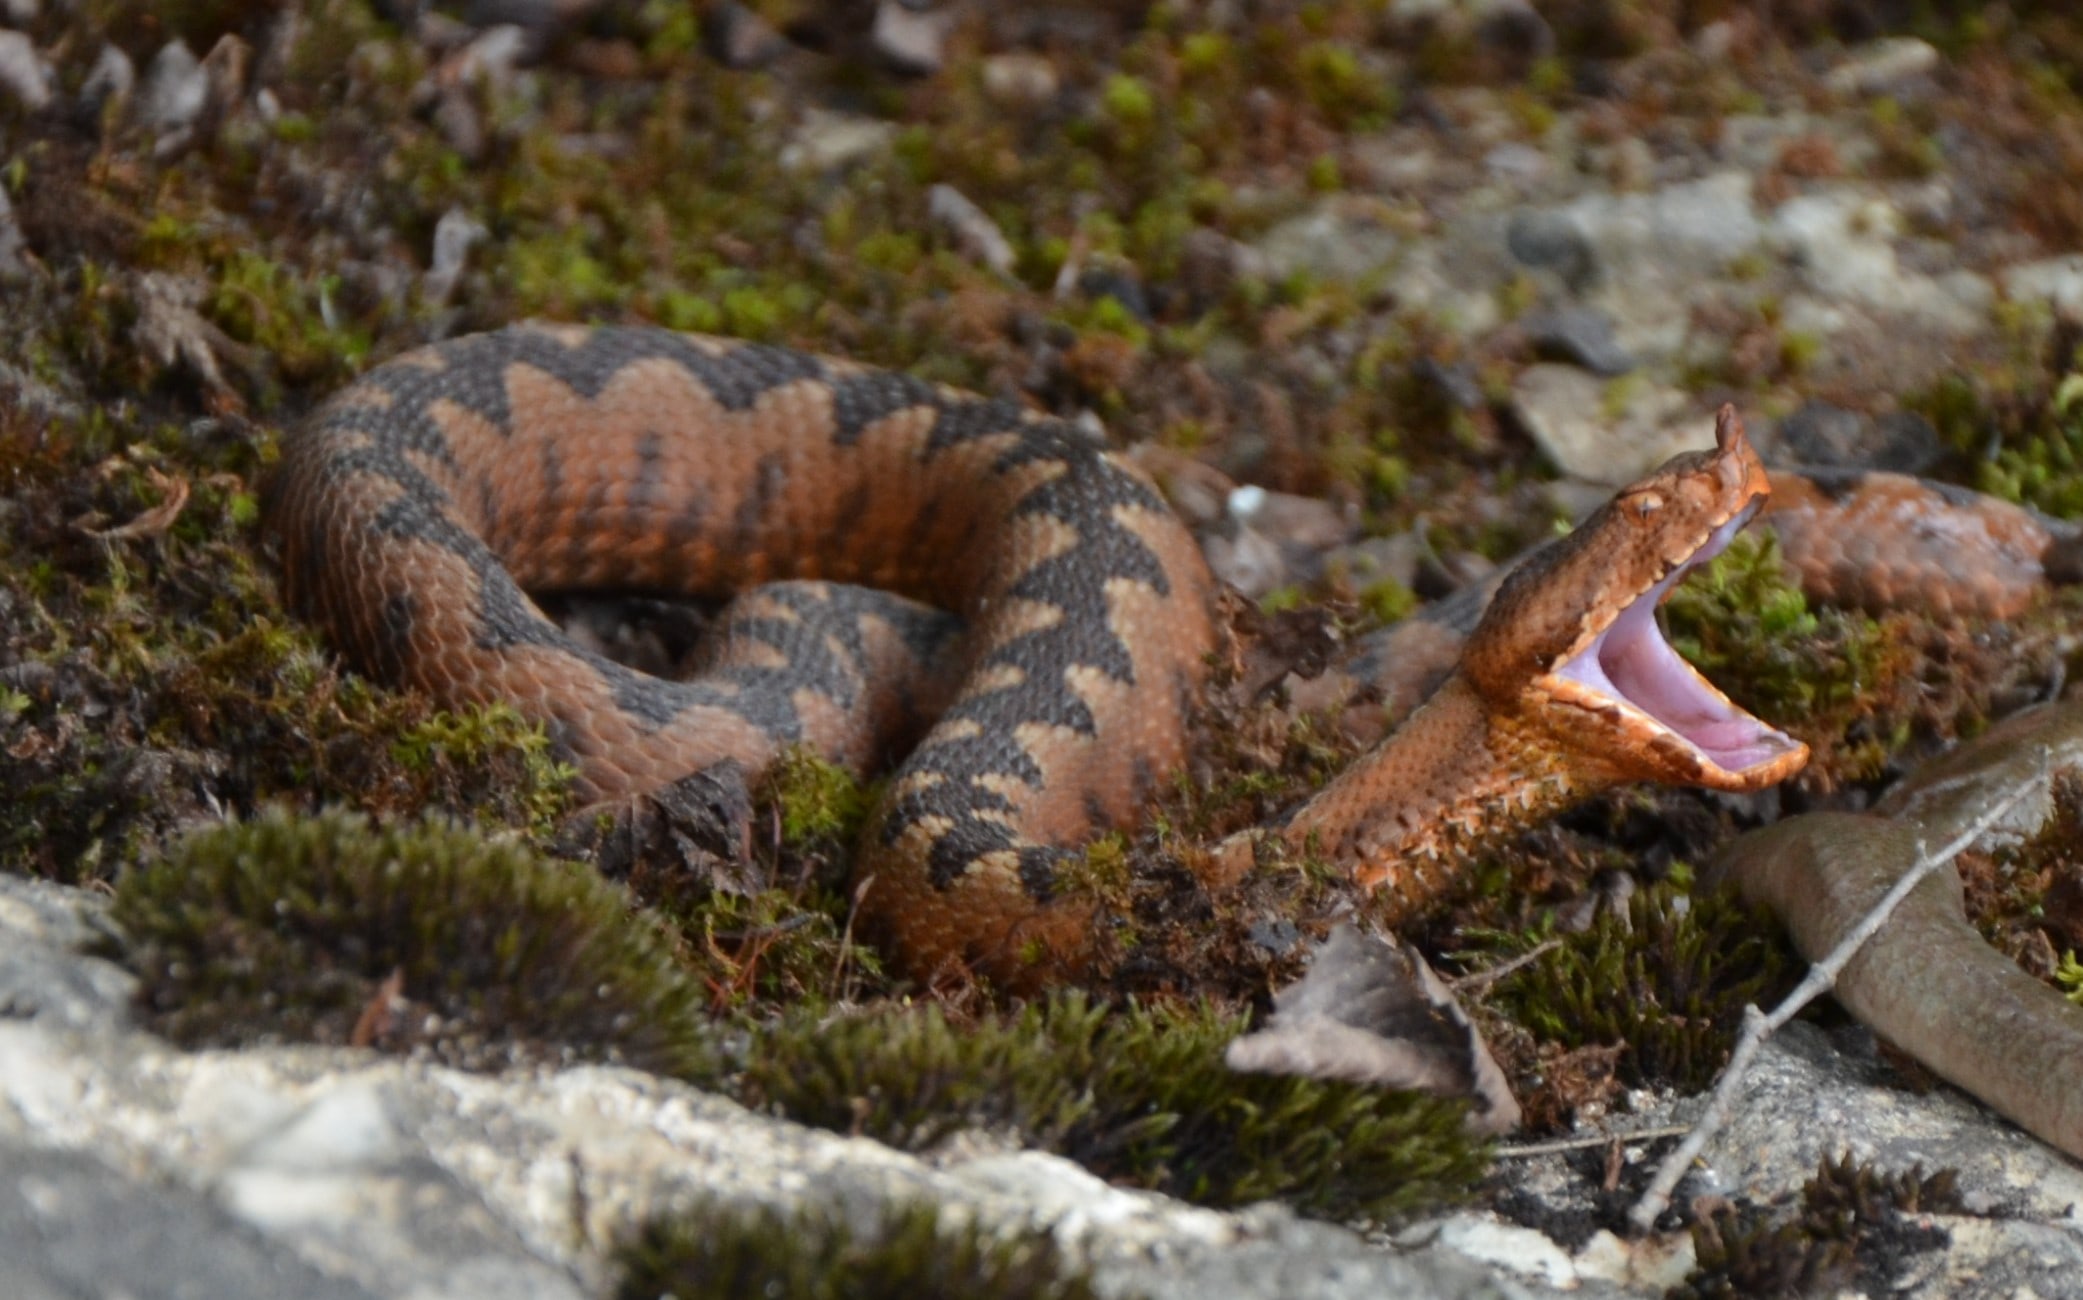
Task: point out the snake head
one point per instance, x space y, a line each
1571 644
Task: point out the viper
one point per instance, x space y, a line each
417 509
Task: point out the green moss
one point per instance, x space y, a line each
1128 101
1347 93
283 313
1799 350
816 800
1206 54
1667 981
775 947
812 1254
1388 601
1138 1096
287 927
2043 465
451 746
2068 977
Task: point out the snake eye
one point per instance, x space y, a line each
1641 503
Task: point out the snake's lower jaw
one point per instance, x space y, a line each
1715 746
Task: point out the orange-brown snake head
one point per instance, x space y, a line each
1575 636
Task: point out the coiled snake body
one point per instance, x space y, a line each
417 507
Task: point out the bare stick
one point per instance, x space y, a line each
1483 979
1757 1026
1559 1145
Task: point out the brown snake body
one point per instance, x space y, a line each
1929 982
416 509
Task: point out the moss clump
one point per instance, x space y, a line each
1851 1224
494 745
819 803
811 1254
283 314
1740 1258
1139 1096
1849 1192
776 947
1667 980
2042 465
324 928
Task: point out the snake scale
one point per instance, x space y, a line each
417 508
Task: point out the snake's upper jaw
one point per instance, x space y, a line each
1674 725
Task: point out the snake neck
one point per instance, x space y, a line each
1457 775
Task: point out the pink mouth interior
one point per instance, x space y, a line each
1630 661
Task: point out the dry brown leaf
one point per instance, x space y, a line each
1370 1011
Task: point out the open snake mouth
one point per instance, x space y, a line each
1631 665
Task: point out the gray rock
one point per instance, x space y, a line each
127 1167
12 244
43 974
1553 241
1578 334
1811 1097
1020 80
1339 240
1519 164
1643 259
2055 281
1568 412
909 40
71 1227
490 58
1456 384
1695 228
176 89
23 73
1821 433
1211 263
110 80
1841 240
827 142
975 235
1809 1100
454 236
737 37
1247 560
1883 66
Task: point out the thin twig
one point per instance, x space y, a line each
1560 1145
1757 1026
1485 978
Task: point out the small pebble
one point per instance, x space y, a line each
737 37
1578 334
23 73
110 80
907 40
977 236
454 236
12 245
176 89
1020 80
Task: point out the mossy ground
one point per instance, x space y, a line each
713 1254
1852 1226
184 304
